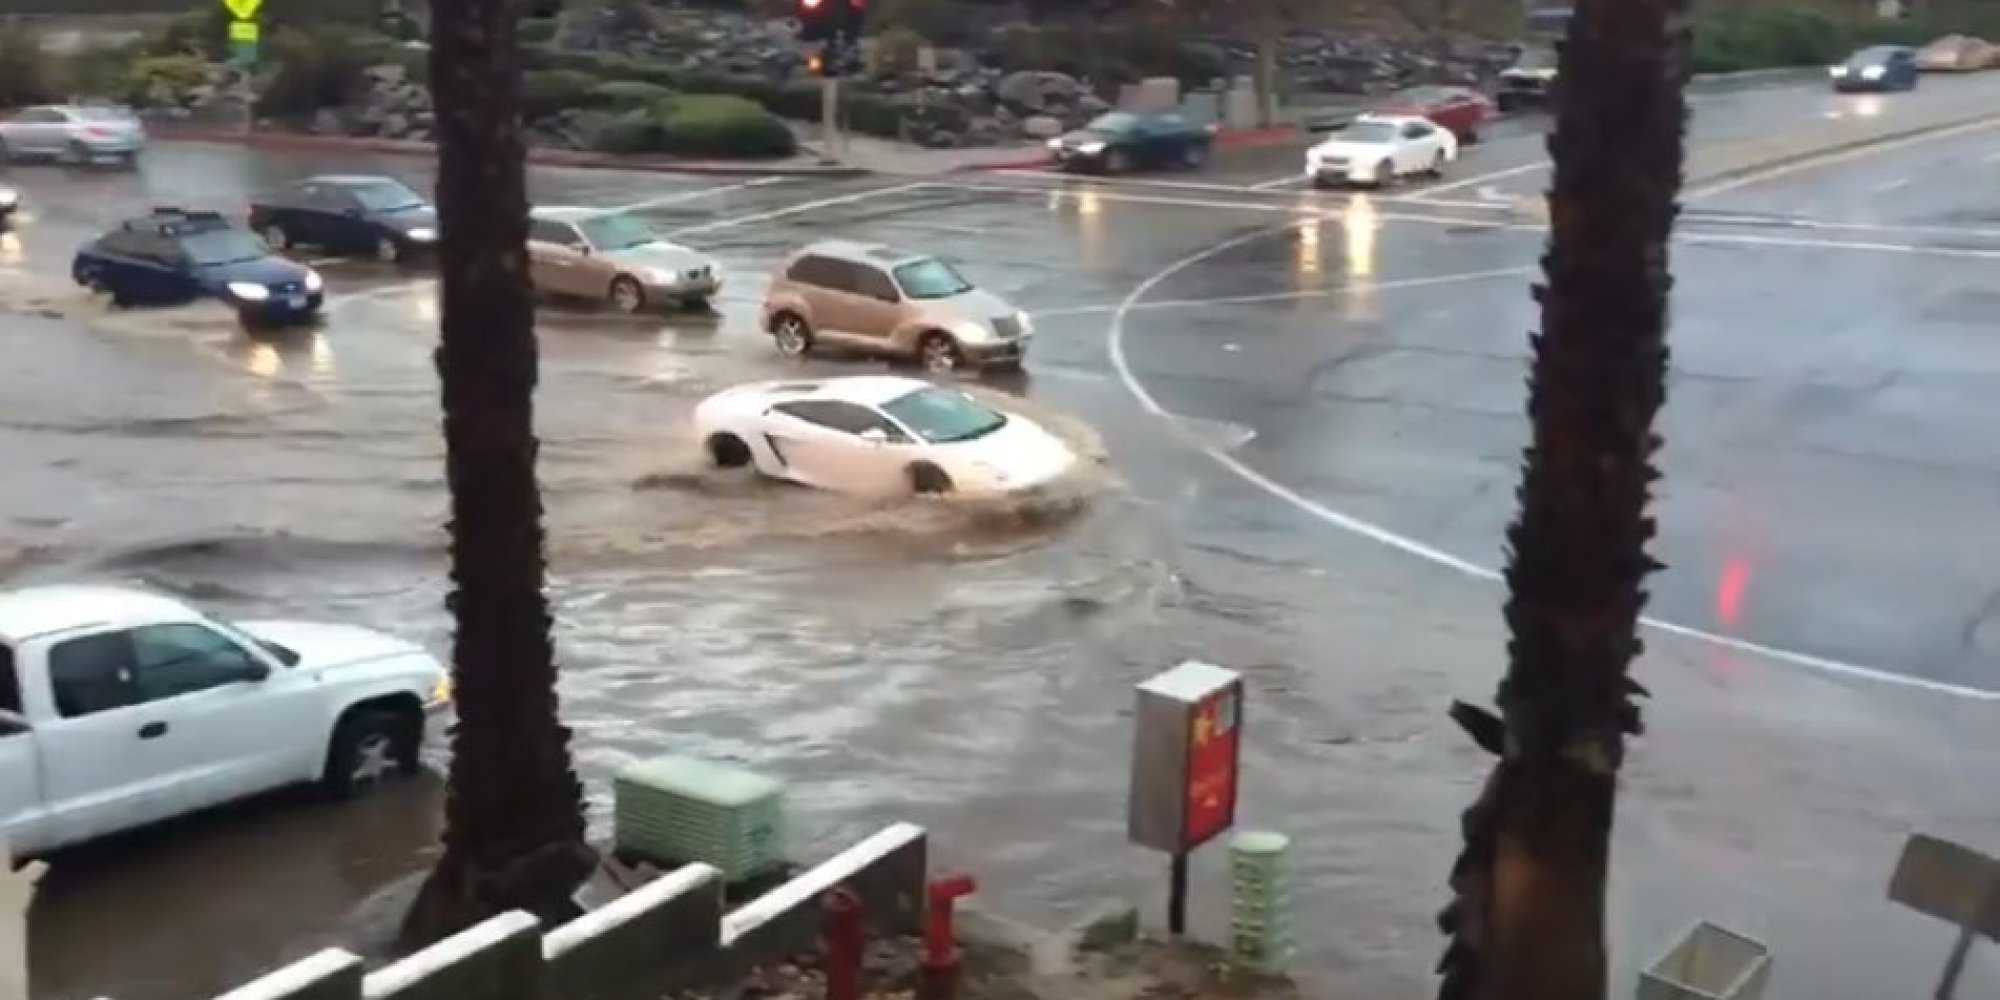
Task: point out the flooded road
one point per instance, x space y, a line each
969 666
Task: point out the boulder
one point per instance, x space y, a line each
1042 127
1037 90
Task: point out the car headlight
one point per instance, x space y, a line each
314 282
1871 73
973 332
9 197
1027 322
1091 148
249 291
1055 143
1836 70
441 692
422 235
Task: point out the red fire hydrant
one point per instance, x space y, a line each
939 979
843 937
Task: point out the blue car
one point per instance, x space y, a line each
174 256
346 214
1880 67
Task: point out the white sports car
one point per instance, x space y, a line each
1377 150
878 435
10 200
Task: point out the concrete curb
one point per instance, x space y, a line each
1254 138
288 142
1775 162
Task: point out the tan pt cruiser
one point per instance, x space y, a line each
616 259
881 301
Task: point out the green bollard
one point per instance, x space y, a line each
1260 878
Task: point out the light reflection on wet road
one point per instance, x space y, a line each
991 649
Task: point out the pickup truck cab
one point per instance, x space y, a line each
120 708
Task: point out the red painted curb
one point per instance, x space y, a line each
541 157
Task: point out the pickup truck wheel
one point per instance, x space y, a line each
371 746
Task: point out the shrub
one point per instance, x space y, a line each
721 125
547 91
27 76
169 74
100 71
313 68
871 114
538 30
627 95
895 52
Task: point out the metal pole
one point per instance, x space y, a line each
1954 965
829 109
1177 887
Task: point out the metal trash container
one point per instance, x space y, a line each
1708 963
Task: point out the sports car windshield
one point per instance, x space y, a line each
611 233
1369 132
942 416
931 279
223 246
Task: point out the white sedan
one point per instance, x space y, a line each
10 200
878 435
1376 150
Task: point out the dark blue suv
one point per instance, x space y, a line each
174 256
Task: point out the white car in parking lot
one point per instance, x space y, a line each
10 200
120 708
878 435
1376 150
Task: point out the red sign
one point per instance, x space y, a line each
1213 742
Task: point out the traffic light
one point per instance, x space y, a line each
816 20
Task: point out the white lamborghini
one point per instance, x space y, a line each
878 435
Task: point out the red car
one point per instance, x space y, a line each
1458 110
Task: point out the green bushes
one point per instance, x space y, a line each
548 91
1105 55
538 30
932 20
315 68
627 95
700 125
163 74
1763 36
896 51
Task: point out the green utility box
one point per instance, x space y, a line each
672 811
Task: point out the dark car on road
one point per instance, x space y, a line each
1461 111
174 256
1530 82
348 215
1120 141
1880 67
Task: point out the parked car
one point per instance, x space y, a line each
10 201
1377 150
879 435
174 256
348 214
120 708
1957 54
1119 141
1530 81
70 133
891 303
1461 111
616 259
1880 67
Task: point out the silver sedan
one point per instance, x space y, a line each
67 133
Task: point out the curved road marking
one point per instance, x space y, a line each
1115 346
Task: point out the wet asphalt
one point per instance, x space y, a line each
1321 364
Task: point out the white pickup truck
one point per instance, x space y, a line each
120 708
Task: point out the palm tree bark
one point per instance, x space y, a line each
1527 918
514 826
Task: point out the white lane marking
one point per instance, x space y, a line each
804 206
1477 180
1295 180
1907 249
1896 185
1121 366
685 196
324 261
1838 156
1114 183
1462 277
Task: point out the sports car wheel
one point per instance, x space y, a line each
793 337
388 251
1437 164
939 354
728 451
276 236
929 480
626 295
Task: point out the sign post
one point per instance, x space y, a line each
1186 756
1953 883
244 32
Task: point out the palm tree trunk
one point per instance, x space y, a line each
514 828
1527 920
